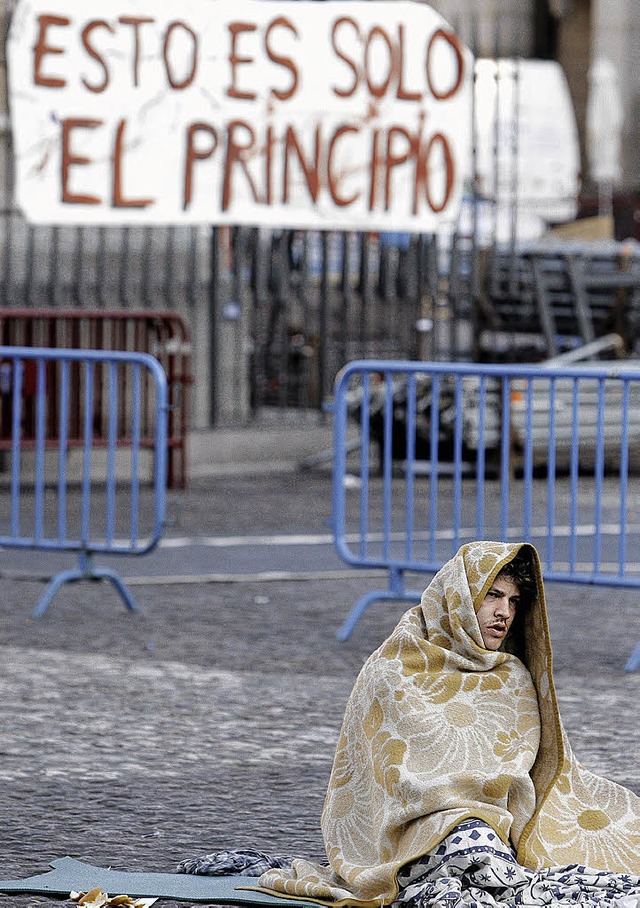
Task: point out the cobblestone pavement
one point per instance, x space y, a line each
208 720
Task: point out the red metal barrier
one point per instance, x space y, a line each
162 334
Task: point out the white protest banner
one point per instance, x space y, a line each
292 114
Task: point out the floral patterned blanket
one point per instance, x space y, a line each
439 729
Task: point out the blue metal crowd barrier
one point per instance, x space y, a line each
546 454
98 511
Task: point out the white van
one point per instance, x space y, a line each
527 150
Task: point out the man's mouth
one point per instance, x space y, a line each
498 628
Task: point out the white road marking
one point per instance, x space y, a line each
559 532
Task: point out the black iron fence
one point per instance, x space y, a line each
315 299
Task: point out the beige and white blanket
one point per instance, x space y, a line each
438 729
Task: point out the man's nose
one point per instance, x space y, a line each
502 606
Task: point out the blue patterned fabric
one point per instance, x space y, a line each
230 863
473 868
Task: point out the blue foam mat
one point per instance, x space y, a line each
69 874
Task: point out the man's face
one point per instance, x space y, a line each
498 609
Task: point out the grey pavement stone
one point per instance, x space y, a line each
208 720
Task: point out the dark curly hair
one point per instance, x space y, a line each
521 570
